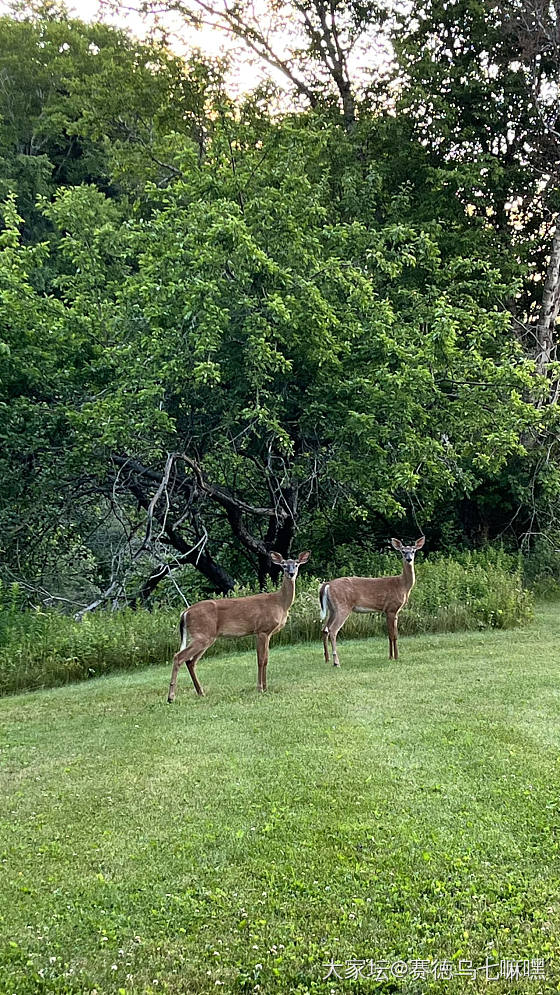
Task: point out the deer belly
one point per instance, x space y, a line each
235 627
364 611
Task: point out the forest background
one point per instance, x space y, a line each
314 315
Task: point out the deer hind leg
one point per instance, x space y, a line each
325 635
263 641
327 614
179 657
334 628
191 655
177 661
392 631
191 666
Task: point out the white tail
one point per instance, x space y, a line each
183 630
261 614
368 594
324 599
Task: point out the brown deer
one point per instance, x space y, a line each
338 598
261 614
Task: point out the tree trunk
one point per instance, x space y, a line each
348 106
219 578
546 326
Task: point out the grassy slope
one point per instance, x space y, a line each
237 842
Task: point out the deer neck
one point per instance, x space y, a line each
287 592
408 575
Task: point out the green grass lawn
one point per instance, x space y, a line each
384 811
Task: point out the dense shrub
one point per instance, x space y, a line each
47 648
541 569
475 590
481 590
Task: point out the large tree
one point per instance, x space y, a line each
241 363
326 52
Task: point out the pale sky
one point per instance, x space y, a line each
183 39
247 70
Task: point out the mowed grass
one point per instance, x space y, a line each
387 811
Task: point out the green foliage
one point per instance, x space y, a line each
12 619
39 649
63 119
45 648
314 314
195 318
541 569
479 87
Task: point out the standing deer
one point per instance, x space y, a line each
262 614
338 598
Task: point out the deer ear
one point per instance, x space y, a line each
396 544
420 542
303 557
276 558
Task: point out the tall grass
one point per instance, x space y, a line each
480 591
45 648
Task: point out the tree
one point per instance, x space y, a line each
72 94
480 82
247 362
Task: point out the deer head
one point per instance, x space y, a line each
408 552
290 567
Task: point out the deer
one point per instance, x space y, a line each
339 597
259 614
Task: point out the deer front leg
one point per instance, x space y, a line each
263 640
392 632
395 637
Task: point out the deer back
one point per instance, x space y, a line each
238 616
380 594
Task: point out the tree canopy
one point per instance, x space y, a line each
222 326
